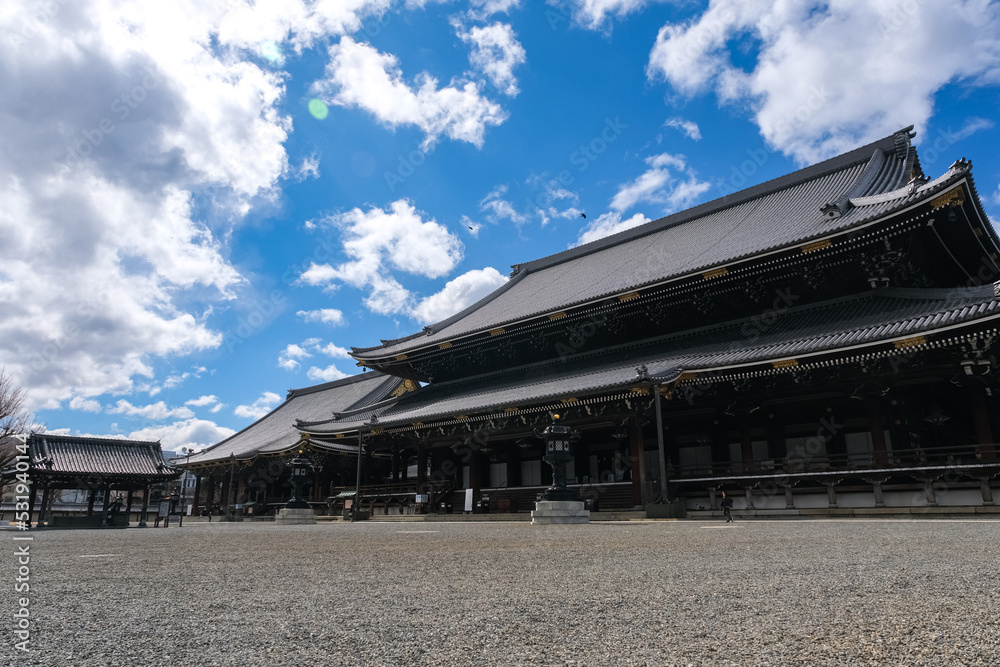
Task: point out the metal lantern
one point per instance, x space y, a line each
558 453
301 473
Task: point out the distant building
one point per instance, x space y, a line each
822 341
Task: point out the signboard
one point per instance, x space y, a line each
163 510
468 500
423 498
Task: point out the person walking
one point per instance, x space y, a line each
727 507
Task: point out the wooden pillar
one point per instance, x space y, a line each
879 454
107 502
831 492
984 488
32 495
197 495
45 506
635 447
145 507
395 467
720 445
128 506
224 499
776 447
981 419
90 501
241 488
713 502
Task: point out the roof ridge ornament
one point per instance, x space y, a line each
901 139
962 164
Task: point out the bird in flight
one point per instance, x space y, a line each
583 215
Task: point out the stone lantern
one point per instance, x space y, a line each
559 504
297 510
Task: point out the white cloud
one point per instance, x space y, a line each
380 241
258 408
659 185
594 13
309 168
458 294
688 127
495 52
202 401
158 410
358 75
197 433
288 357
335 351
84 404
497 208
328 374
482 9
177 380
811 96
330 316
608 224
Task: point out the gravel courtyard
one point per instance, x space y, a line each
851 592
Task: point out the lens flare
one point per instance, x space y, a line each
318 109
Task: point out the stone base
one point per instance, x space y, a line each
295 516
559 511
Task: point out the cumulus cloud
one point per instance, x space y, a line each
482 9
258 408
471 226
359 75
202 401
128 169
380 241
195 433
661 185
810 96
328 374
458 294
688 127
495 52
85 404
608 224
325 315
158 410
288 359
594 14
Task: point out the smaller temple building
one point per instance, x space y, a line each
110 470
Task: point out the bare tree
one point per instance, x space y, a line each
15 419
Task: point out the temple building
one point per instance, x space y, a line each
824 340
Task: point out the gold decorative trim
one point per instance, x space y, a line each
785 363
640 390
978 231
818 245
628 297
407 385
572 399
557 316
910 342
417 424
460 417
339 435
687 376
512 408
667 393
954 197
444 346
401 357
715 273
498 332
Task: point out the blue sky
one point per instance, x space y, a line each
206 204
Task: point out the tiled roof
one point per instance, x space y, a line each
877 316
863 185
276 432
60 455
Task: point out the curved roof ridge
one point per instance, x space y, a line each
350 379
772 186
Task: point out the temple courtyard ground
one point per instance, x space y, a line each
816 592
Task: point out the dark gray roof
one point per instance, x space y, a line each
62 455
877 316
276 432
861 186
